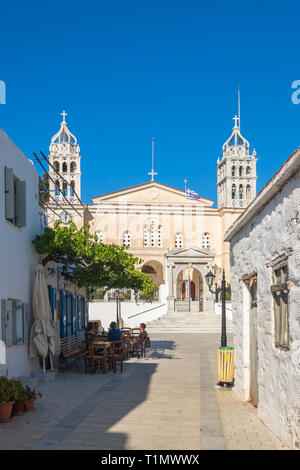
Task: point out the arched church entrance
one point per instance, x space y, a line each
189 291
155 270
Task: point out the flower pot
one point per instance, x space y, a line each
29 406
5 411
18 408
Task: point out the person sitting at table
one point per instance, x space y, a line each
141 337
114 333
90 332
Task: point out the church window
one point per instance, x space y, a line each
126 239
248 171
65 167
241 191
57 188
248 191
241 170
65 189
152 235
233 192
73 167
56 166
72 188
205 240
233 171
178 240
159 236
99 236
146 236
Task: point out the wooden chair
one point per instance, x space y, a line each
126 340
126 330
117 354
95 359
138 349
135 332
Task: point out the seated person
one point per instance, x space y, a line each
90 332
114 333
141 337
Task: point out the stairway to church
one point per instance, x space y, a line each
188 322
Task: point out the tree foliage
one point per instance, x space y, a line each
85 261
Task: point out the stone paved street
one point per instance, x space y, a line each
167 401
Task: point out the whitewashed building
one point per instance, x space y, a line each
19 224
265 281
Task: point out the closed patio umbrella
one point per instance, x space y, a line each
44 334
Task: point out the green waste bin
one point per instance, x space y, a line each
225 365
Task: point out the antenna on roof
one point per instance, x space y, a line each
239 106
152 173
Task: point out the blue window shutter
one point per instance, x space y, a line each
85 312
73 314
63 314
78 313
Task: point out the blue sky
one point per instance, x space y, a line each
127 71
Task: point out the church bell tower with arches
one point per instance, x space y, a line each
64 157
236 171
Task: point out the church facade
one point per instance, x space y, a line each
178 237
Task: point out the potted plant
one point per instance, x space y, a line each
31 396
20 397
7 391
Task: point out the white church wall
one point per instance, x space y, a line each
273 231
132 313
218 309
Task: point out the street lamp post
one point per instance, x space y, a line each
225 354
117 299
210 279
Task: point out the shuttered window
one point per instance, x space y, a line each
14 322
15 199
280 290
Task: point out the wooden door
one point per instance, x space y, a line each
183 290
192 290
253 345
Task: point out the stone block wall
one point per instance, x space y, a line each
271 233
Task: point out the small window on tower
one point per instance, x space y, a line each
65 167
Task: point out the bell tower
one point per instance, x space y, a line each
236 171
64 157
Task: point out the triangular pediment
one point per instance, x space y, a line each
150 193
190 252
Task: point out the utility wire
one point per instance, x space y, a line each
54 184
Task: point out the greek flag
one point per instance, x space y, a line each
192 194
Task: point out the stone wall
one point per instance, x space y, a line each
272 232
